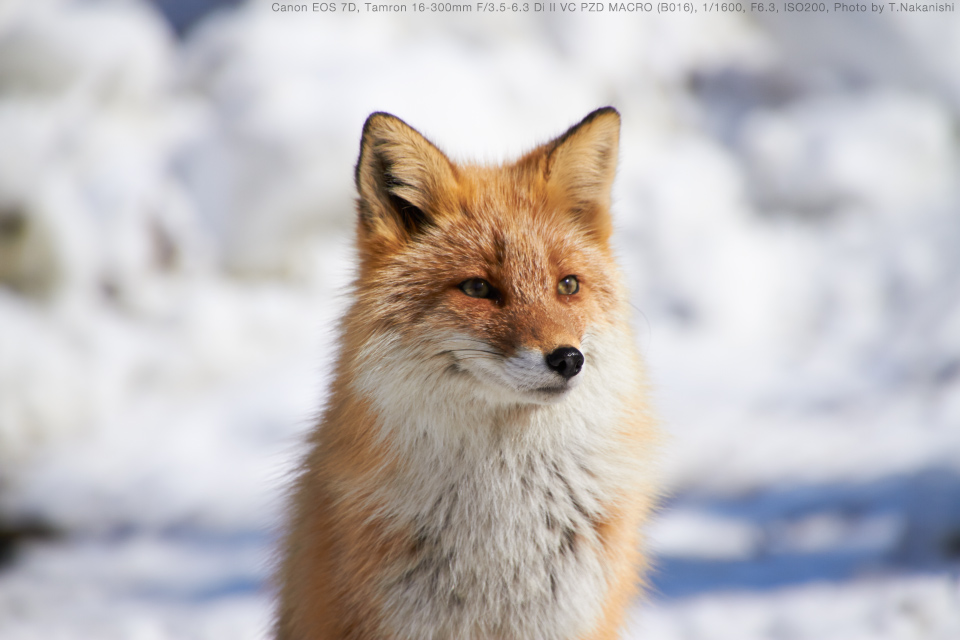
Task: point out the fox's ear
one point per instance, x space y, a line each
579 169
402 180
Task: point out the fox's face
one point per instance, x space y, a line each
498 274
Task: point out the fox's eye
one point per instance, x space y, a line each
568 286
476 288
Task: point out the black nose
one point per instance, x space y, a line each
566 361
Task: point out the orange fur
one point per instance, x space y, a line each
426 226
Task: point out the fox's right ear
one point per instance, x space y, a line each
402 179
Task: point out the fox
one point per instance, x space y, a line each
485 459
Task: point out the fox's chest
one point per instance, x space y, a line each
505 546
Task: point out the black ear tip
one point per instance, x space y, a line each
602 111
593 115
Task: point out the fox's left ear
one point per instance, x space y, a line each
579 169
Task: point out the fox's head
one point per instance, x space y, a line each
499 276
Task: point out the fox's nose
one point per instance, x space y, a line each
567 361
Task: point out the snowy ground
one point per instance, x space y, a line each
174 234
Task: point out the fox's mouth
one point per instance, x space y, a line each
548 395
558 389
542 394
554 393
528 376
554 390
551 390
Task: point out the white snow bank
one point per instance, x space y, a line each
89 122
692 533
875 609
892 153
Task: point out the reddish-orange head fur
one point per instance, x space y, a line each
427 225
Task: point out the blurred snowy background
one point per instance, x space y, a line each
175 220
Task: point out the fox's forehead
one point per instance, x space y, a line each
505 215
520 247
481 187
507 206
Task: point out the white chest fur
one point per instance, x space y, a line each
505 547
504 507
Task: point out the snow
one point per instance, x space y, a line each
175 219
878 609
